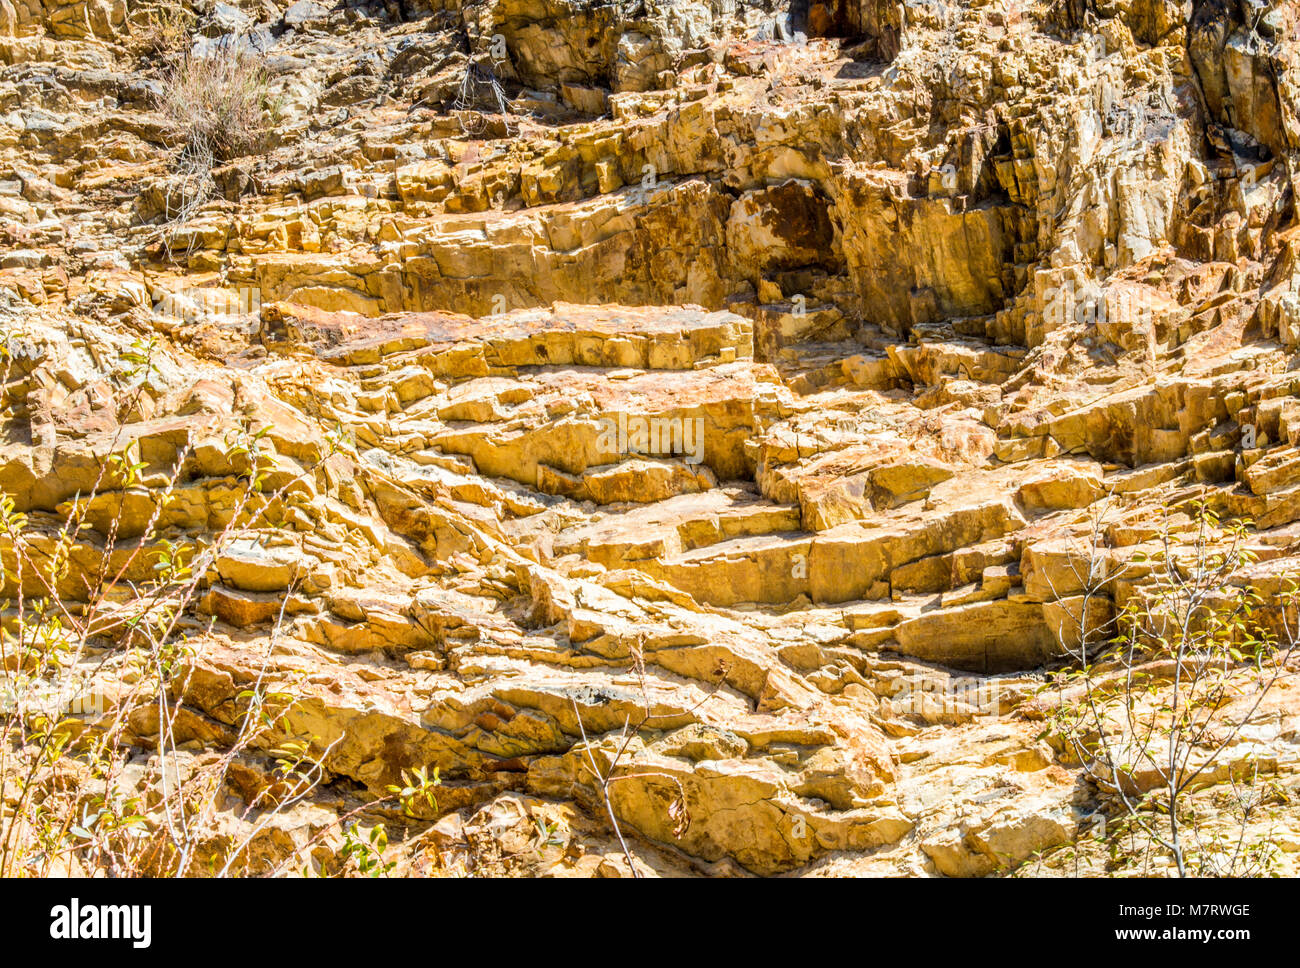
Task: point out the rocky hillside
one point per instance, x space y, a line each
681 424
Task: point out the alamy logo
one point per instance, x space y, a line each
78 922
21 348
1092 305
67 697
653 436
196 303
978 698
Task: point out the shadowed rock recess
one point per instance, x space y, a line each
755 373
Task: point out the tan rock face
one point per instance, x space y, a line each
744 394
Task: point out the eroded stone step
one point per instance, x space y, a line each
459 347
675 525
810 367
858 559
690 425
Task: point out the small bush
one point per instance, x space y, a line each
217 104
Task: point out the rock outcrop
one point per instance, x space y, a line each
754 377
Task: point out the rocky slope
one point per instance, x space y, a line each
752 378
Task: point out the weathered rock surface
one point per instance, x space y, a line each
787 369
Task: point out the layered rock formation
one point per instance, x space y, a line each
753 378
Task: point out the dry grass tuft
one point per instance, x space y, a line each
217 104
217 107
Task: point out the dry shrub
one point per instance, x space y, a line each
217 104
217 107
